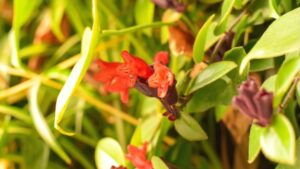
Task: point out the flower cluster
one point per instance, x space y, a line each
156 80
138 157
254 102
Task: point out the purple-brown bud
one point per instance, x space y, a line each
255 103
175 4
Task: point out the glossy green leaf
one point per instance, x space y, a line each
227 6
150 127
278 140
144 13
285 77
297 163
210 74
254 142
199 44
89 42
41 125
158 163
261 65
109 153
236 55
213 93
189 128
281 37
269 84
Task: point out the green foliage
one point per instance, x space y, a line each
54 114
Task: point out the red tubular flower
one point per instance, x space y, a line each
114 80
135 66
162 77
137 156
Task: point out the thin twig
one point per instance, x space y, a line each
290 94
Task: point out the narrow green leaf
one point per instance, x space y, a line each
144 12
189 128
278 140
285 77
227 6
158 163
89 42
254 142
281 37
57 13
210 74
150 127
15 112
41 124
109 153
199 44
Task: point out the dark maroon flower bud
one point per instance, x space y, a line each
175 4
255 103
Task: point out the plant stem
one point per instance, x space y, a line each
289 94
135 28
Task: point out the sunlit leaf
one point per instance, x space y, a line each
41 124
227 6
254 142
297 163
109 153
199 44
278 140
89 42
144 12
281 37
285 77
210 74
189 128
158 163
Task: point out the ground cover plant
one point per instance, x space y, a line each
149 84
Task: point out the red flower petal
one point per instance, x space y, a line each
136 66
162 57
161 79
138 156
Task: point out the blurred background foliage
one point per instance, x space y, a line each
42 40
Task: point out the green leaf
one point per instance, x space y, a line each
236 55
210 74
144 12
57 13
109 153
41 124
285 77
298 92
269 84
158 163
189 128
227 6
274 8
254 142
213 93
281 37
199 44
150 127
278 140
89 42
15 112
261 65
297 163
